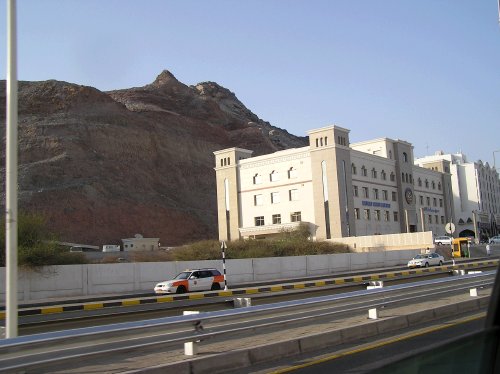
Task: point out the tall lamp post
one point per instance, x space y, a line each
11 176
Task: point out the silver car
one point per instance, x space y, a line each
426 260
495 240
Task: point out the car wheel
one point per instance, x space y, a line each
426 264
215 286
181 289
440 263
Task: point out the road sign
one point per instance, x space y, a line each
450 228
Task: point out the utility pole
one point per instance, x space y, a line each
11 175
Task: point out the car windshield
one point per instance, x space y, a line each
183 275
418 257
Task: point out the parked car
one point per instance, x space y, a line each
443 240
426 260
495 239
192 280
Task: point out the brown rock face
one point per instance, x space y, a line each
101 166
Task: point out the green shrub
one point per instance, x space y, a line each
36 245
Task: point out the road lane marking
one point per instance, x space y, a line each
379 344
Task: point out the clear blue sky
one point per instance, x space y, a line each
427 72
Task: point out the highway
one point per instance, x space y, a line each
259 333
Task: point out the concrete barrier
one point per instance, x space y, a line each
114 278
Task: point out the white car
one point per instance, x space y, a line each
443 240
495 240
426 260
192 280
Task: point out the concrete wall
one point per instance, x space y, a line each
415 240
99 279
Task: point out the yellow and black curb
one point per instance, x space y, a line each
246 291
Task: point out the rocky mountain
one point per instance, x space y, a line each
101 166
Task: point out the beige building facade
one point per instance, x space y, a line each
337 188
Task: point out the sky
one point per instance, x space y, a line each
427 72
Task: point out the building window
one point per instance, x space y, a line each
393 177
434 202
433 185
421 200
405 157
259 221
353 169
274 176
355 191
440 203
363 171
395 215
293 195
435 219
429 218
292 173
428 201
442 220
375 193
356 213
383 175
439 186
295 217
411 178
365 192
426 183
419 182
377 215
367 214
385 195
257 179
276 219
374 173
258 200
394 197
275 197
387 216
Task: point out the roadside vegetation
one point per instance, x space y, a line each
36 245
287 243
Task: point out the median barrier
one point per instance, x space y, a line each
274 351
354 333
446 311
315 342
391 324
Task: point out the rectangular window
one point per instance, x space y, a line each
276 219
394 197
367 214
395 215
377 215
295 217
434 202
258 200
275 197
356 213
421 200
442 220
259 221
441 203
274 176
387 216
385 195
429 218
365 192
293 195
375 193
257 179
436 219
355 191
374 173
428 201
292 173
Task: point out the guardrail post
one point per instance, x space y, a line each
373 313
190 348
242 302
473 292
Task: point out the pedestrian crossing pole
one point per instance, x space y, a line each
223 247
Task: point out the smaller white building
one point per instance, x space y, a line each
139 243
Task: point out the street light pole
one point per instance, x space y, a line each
11 176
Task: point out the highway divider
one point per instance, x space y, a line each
89 306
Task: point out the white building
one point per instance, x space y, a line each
476 194
339 189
